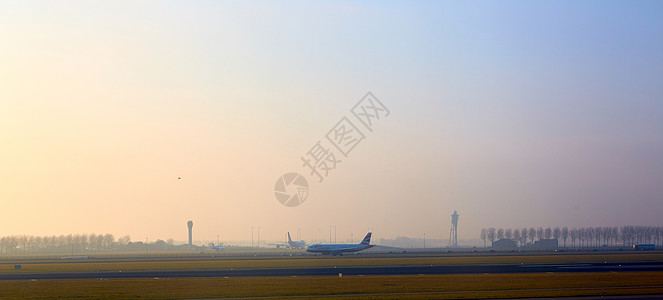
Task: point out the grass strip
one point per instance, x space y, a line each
377 287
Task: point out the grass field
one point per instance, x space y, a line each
40 266
368 287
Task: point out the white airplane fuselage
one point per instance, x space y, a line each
296 244
334 249
218 248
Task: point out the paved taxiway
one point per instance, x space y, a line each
352 271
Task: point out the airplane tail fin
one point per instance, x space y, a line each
289 239
367 239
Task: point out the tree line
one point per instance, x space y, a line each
22 244
582 237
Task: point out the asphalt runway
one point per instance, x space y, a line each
352 271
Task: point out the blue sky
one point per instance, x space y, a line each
514 113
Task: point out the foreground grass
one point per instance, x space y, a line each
37 266
377 287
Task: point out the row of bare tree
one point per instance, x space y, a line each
60 244
583 237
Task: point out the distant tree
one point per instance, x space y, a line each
48 243
531 234
556 233
565 234
483 236
13 243
92 239
109 239
76 242
124 240
539 233
7 244
653 231
547 233
591 234
644 235
582 236
491 235
516 235
523 236
600 234
37 243
82 241
649 234
508 233
647 231
639 235
31 243
160 245
628 233
23 243
4 241
500 234
61 242
97 242
618 235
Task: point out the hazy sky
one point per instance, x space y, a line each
514 113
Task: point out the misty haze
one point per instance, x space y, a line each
240 129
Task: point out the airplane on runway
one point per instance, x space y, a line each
334 249
296 244
218 248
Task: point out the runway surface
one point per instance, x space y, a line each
352 271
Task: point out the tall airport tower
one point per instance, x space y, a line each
453 235
190 224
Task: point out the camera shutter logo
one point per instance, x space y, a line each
291 189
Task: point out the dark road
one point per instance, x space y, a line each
350 271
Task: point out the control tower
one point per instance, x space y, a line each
190 224
453 235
